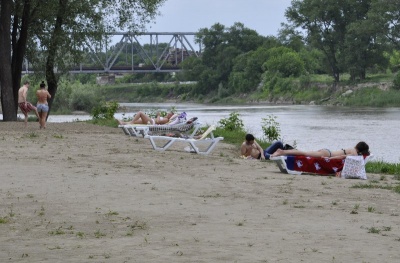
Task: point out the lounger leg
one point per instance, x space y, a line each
162 148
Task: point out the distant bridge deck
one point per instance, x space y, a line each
154 59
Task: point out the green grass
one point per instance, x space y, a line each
380 167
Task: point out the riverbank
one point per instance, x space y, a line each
79 193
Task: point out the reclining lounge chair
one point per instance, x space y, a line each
144 130
202 145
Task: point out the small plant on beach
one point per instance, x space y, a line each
33 135
232 123
271 128
371 209
355 209
374 230
98 234
3 220
105 110
58 136
80 234
112 213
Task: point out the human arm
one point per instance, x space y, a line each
260 149
48 95
243 149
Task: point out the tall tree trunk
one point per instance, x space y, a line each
19 47
51 77
8 104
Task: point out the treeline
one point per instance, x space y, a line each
346 40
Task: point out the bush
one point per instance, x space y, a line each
233 123
271 128
396 82
105 110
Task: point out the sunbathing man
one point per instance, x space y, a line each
360 149
142 118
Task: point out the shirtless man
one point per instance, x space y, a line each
42 106
142 118
23 104
251 149
360 149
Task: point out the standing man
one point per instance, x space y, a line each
42 106
23 104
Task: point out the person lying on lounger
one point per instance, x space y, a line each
250 149
360 149
142 118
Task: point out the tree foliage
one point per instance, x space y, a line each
58 31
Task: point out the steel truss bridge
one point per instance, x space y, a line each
146 46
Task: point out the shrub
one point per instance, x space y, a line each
105 110
396 82
271 128
232 123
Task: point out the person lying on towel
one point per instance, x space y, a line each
360 149
250 149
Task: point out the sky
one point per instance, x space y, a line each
264 16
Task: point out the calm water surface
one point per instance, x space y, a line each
310 127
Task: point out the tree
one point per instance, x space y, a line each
385 14
7 98
61 28
221 47
327 23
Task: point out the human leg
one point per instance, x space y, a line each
44 116
319 153
141 118
272 149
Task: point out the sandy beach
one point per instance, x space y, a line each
77 192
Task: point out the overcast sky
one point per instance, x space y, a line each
264 16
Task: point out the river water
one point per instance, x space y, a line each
309 127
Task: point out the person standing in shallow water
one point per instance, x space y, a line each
42 106
23 104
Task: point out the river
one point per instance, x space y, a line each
309 127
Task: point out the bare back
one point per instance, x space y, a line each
42 96
250 150
349 151
22 94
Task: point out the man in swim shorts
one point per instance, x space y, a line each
23 104
42 106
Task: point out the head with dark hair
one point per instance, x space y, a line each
362 148
249 137
42 85
26 82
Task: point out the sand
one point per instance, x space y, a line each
77 192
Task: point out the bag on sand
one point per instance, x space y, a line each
354 168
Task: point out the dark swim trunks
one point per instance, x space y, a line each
25 108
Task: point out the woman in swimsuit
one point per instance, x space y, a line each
360 149
42 105
142 118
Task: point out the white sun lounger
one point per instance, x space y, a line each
144 130
195 145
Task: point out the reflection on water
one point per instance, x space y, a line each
309 127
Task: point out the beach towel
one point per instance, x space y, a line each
316 165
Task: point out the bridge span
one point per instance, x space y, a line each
125 52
